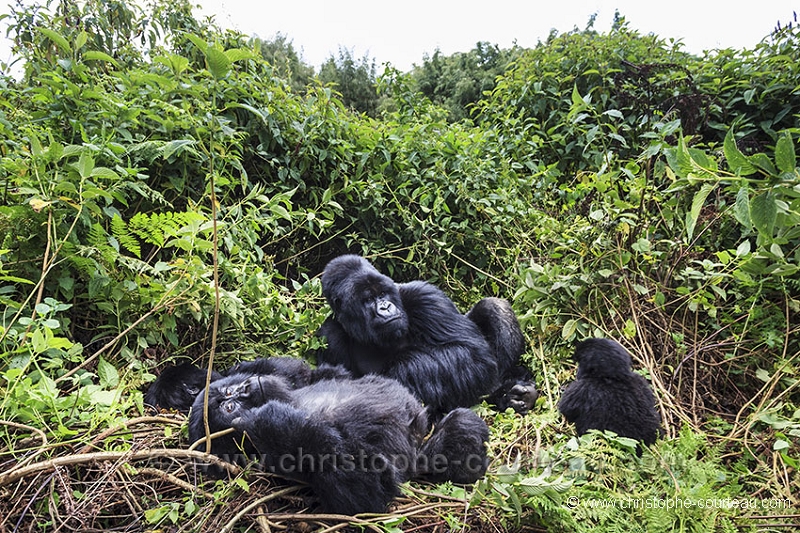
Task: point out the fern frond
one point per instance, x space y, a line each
146 229
120 231
156 227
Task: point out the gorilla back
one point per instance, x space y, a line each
607 395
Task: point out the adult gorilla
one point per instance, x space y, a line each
352 440
413 332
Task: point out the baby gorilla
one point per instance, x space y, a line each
607 395
178 386
352 440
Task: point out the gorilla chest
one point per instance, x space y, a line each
375 359
375 364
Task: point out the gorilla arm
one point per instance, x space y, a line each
448 362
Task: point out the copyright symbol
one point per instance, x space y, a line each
572 502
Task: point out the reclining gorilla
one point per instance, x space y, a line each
413 332
178 386
352 440
607 395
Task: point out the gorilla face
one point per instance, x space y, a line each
366 303
231 396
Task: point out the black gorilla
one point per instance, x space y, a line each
178 386
412 332
352 440
607 395
499 325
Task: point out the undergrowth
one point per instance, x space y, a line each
168 196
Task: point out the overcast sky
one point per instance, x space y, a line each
403 31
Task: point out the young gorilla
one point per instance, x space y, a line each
412 332
352 440
607 395
177 386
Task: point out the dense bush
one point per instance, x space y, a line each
175 195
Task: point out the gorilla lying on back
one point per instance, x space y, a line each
412 332
352 440
607 395
178 386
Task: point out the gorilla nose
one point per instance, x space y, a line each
386 308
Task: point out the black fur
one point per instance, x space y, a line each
499 325
352 440
608 395
413 332
177 387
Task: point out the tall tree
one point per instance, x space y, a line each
354 79
282 55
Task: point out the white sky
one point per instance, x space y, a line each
402 32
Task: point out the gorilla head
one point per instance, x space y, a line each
177 387
228 399
365 302
601 358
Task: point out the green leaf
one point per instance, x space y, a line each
737 161
569 329
743 248
780 444
741 209
57 38
763 162
104 173
784 153
697 205
577 99
109 377
85 165
198 42
81 39
238 54
95 55
178 145
217 62
38 342
764 212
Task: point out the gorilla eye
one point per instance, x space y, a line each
229 406
194 391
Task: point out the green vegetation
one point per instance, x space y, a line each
167 192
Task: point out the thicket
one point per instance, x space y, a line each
167 193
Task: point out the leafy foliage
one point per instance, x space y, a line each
176 196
